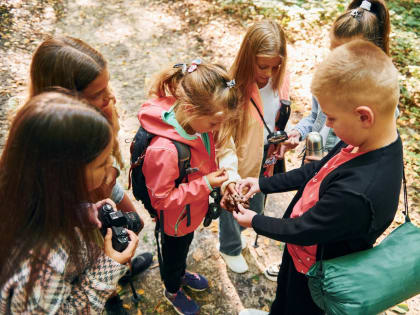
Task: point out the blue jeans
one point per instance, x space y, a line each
230 230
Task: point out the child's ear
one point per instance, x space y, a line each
366 116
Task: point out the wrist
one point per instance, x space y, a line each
208 183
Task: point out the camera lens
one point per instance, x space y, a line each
134 222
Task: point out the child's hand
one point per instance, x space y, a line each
217 178
251 184
311 158
232 198
244 216
127 254
91 217
230 190
293 140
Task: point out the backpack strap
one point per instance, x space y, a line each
184 158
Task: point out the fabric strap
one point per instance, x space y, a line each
262 117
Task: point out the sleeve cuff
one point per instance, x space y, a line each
301 132
208 184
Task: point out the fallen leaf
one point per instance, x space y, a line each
400 308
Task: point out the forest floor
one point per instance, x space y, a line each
138 38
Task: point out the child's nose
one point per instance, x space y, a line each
268 72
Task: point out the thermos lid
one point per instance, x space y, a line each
314 142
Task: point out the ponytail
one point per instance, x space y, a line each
166 82
369 19
207 88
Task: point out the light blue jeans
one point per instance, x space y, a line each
230 230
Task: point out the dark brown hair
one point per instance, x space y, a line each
42 180
72 64
373 25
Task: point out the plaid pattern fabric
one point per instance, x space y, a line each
58 289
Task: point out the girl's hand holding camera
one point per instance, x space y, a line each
217 178
124 256
120 257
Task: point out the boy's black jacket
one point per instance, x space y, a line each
357 202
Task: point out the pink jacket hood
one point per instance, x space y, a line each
151 116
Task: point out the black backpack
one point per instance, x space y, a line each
136 178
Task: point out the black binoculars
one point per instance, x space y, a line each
214 209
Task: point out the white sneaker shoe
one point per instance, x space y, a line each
252 311
243 241
235 263
272 271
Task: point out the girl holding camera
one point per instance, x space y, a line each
58 151
190 102
70 63
260 73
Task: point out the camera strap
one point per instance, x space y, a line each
262 117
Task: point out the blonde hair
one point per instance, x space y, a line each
205 89
358 73
70 63
264 38
373 25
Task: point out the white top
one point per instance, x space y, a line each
271 101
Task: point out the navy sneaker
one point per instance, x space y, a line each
182 303
139 264
194 281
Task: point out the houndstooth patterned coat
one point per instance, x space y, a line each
59 289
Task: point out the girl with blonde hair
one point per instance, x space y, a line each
189 102
260 73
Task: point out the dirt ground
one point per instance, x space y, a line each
138 38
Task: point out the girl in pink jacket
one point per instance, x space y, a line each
191 102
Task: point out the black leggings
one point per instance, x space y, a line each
174 254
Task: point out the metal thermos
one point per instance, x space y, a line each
314 144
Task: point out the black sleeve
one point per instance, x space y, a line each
293 179
288 181
338 215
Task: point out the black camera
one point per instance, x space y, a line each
277 137
214 209
119 221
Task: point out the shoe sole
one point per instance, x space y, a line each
270 277
194 289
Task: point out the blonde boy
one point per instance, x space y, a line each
347 200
